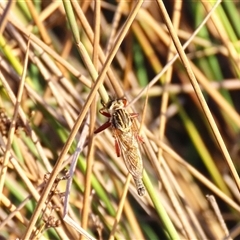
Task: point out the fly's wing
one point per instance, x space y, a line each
130 152
128 145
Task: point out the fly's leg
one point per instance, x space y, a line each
117 145
103 127
106 124
117 148
134 115
139 138
106 114
135 130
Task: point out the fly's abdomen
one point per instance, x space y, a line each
139 185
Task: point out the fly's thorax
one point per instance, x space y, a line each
121 120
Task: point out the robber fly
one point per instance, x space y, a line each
126 138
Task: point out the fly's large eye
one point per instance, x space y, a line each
124 100
119 101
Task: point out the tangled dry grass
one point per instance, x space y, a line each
176 62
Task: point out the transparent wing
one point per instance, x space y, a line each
129 148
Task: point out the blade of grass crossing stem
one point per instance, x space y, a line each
172 233
208 64
98 188
71 19
201 148
233 15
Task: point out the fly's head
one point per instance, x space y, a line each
116 104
